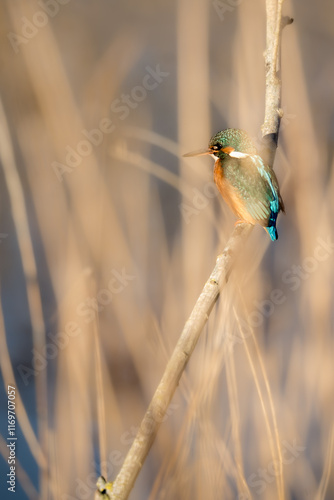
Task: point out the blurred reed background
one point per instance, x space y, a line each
104 253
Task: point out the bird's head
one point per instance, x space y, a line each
230 142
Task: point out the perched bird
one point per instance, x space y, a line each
249 187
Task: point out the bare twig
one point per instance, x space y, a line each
176 365
273 110
135 458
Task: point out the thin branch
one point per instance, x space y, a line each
176 365
273 110
273 84
136 456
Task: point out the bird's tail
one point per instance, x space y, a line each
272 231
271 228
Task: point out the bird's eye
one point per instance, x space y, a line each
216 147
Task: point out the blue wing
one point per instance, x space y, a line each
251 189
275 201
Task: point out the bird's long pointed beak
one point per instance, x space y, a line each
200 152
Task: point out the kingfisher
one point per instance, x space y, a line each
248 186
